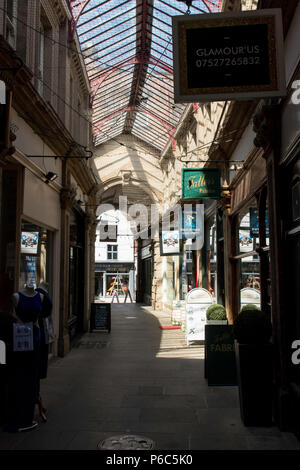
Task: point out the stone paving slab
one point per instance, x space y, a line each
144 381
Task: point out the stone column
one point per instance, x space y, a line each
91 223
67 198
157 277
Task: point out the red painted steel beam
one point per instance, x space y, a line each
76 13
144 55
97 125
98 80
164 123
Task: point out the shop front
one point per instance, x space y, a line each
146 274
212 254
289 169
111 278
36 255
76 273
250 247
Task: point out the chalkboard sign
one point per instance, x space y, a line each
101 317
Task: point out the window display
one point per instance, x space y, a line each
248 242
36 247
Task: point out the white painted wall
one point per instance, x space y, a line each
125 239
29 143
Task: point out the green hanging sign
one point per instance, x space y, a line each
201 183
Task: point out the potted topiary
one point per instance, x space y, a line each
216 315
252 330
249 307
219 366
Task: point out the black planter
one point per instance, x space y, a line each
255 376
220 364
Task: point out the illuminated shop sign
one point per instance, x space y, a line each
221 56
199 183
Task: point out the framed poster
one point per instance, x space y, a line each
29 242
228 56
192 225
170 243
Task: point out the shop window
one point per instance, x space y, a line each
99 284
112 251
249 266
252 253
209 264
36 255
115 283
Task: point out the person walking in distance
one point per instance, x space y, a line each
127 292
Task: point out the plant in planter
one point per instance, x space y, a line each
249 307
220 367
252 330
216 315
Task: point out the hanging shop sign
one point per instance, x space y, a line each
146 251
201 183
192 225
197 302
221 56
254 223
170 243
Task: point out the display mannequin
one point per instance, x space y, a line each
23 373
27 291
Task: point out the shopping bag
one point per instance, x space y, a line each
49 330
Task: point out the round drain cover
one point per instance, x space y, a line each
126 442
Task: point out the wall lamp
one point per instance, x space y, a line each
50 176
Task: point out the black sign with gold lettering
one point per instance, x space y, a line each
236 55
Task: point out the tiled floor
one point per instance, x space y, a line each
141 380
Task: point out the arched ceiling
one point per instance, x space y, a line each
127 46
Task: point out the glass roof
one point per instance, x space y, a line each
127 48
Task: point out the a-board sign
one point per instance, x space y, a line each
220 364
228 55
197 302
250 296
101 316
